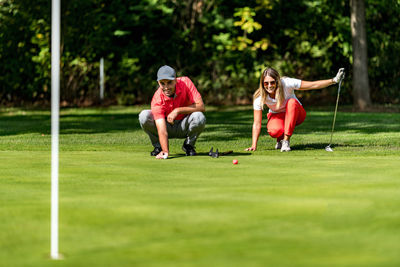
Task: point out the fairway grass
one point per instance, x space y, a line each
121 207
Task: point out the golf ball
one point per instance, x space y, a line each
165 157
235 161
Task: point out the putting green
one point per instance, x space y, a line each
121 207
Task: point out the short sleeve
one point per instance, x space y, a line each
157 108
257 104
291 83
193 93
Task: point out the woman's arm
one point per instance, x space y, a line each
256 130
306 85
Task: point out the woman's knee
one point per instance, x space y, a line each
275 132
292 102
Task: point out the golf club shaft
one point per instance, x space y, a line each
334 116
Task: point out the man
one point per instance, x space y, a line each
176 112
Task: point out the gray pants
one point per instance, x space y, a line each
189 127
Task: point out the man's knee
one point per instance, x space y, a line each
146 117
197 119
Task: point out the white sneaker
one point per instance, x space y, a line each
285 146
278 145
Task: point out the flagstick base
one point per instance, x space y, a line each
59 256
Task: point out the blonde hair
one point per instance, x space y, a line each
262 91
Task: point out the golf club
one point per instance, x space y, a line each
217 154
328 147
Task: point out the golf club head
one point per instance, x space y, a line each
216 154
328 148
213 154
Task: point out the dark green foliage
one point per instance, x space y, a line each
221 45
383 50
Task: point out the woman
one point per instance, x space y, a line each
285 110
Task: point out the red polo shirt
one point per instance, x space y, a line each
186 94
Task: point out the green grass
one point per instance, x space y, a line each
120 207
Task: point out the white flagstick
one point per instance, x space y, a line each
102 79
55 107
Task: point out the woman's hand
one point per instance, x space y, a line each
339 76
255 133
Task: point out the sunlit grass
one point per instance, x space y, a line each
121 207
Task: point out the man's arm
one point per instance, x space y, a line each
197 106
162 137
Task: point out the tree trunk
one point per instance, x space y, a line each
360 60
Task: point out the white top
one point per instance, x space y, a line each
288 85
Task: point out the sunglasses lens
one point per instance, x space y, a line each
271 83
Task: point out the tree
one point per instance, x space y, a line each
361 89
222 45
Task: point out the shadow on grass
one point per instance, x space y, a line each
69 124
356 122
205 154
312 146
24 124
102 123
221 124
320 146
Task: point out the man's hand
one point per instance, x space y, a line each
339 75
171 116
162 155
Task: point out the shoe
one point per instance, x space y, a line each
189 150
278 145
156 151
285 146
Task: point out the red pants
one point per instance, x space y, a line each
283 123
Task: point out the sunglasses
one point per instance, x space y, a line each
271 83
